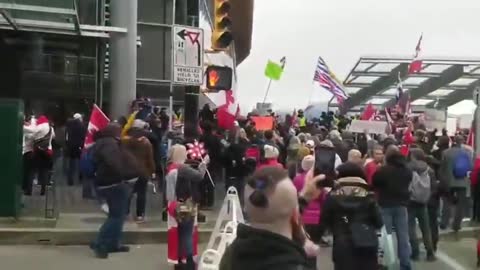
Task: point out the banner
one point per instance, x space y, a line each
435 119
263 123
373 127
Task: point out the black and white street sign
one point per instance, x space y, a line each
476 95
188 55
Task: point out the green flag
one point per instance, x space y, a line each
274 70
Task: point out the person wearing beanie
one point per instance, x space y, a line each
271 157
311 213
42 134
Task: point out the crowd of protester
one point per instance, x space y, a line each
298 183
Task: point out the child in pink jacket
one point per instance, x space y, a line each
311 214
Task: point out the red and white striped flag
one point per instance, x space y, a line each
416 65
98 121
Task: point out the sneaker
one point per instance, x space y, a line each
101 253
104 208
121 249
431 257
139 220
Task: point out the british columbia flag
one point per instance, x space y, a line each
325 77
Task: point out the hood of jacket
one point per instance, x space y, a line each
256 249
351 186
419 166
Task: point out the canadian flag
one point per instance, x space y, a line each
416 65
369 113
227 110
98 121
471 136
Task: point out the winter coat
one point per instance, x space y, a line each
392 182
75 137
270 162
234 160
447 179
311 213
256 249
421 167
351 201
142 150
114 164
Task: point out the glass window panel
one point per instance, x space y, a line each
441 92
415 80
422 102
435 68
364 79
155 11
393 91
153 58
463 82
378 101
352 90
384 67
363 66
43 3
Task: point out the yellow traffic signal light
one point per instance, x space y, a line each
222 34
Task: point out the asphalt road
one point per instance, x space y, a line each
453 255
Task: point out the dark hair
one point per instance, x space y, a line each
417 154
268 134
443 141
350 169
262 182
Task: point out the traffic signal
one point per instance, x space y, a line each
222 35
219 78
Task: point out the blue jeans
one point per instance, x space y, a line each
185 242
398 217
110 233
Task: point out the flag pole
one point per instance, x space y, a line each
267 91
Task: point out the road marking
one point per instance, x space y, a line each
449 261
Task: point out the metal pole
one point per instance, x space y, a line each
266 92
123 49
476 121
172 59
328 104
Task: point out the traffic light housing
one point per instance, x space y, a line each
219 78
222 34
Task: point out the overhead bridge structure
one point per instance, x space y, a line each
442 82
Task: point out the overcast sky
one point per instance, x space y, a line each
343 30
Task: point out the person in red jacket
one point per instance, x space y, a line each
474 177
372 166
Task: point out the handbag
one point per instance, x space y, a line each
363 235
43 143
388 249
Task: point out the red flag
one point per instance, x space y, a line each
416 65
226 113
368 113
471 136
98 121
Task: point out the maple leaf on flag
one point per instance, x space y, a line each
196 150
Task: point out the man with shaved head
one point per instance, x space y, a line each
274 239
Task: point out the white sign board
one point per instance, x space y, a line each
435 119
373 127
263 108
188 55
451 126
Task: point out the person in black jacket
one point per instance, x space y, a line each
391 182
349 207
274 238
235 166
114 167
74 139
